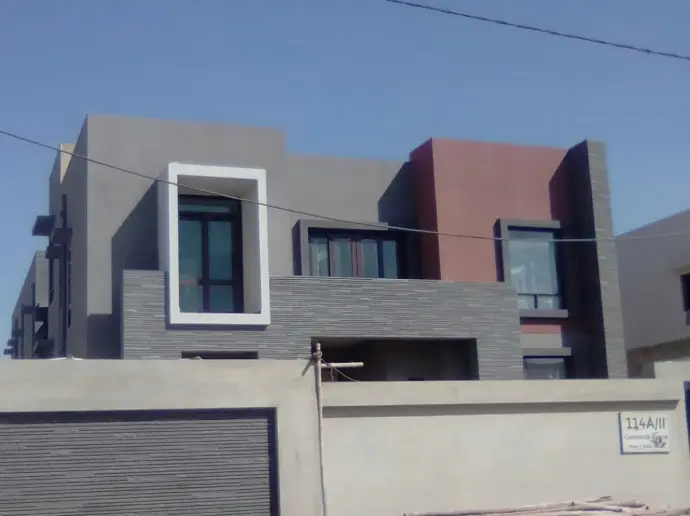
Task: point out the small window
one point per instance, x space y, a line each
545 368
685 289
533 268
348 254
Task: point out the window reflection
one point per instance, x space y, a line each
532 265
544 368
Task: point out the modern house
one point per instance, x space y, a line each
654 263
224 244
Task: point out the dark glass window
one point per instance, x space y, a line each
210 255
685 289
545 368
533 268
347 254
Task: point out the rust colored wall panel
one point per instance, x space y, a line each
478 183
475 184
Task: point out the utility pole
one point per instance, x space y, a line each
320 365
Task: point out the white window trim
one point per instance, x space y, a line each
168 217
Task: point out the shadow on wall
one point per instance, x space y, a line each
134 246
396 207
398 204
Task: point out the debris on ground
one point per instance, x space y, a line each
604 506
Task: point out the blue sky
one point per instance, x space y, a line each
347 77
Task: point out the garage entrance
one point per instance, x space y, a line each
139 463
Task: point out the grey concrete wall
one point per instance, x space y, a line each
34 291
73 185
135 385
307 307
41 278
437 447
57 174
675 370
650 268
25 293
122 219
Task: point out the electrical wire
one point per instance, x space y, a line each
541 30
376 225
338 371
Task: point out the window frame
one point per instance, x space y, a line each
355 237
204 218
546 226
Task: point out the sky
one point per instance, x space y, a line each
347 78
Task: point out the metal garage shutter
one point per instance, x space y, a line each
138 463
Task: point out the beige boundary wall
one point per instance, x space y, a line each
396 448
392 448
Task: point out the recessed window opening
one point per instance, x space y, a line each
221 355
545 368
400 360
685 290
210 254
358 254
533 268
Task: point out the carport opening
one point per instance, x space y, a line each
400 360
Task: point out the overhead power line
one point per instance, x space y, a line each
541 30
373 225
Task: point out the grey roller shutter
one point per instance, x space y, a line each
138 463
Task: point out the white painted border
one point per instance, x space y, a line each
168 243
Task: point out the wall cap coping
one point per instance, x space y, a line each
500 392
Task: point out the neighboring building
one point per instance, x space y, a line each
654 263
149 270
29 335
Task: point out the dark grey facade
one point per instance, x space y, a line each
321 308
604 304
110 288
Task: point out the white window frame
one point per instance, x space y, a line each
247 183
